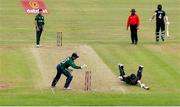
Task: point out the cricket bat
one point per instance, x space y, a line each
167 29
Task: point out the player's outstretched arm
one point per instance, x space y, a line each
142 85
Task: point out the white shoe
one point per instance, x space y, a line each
120 77
120 65
68 88
37 46
141 66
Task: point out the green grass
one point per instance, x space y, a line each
15 67
33 97
100 24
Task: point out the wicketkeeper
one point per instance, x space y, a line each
63 68
39 24
160 23
132 79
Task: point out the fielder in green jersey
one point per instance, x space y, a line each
63 68
39 23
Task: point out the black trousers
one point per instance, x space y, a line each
127 78
58 75
134 36
38 36
160 27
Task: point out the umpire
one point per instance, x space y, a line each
63 68
160 25
133 22
39 24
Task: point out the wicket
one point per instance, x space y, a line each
59 39
87 81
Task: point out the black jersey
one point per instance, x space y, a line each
131 81
160 14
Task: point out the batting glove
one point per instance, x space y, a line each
142 85
167 23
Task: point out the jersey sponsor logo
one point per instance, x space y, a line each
33 6
40 21
160 12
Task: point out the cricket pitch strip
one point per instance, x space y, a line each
47 57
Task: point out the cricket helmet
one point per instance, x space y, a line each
159 7
133 76
75 55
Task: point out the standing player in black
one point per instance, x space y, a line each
160 23
39 24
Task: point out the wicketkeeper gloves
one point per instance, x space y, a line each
83 66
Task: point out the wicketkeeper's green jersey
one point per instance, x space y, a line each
40 21
69 62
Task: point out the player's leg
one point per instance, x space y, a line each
162 31
157 32
121 70
37 38
68 80
57 77
135 34
122 76
139 72
132 34
40 32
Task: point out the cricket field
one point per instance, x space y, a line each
96 29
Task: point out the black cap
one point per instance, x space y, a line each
40 10
133 10
75 55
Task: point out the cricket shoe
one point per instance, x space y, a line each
37 46
141 66
68 88
121 65
120 77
